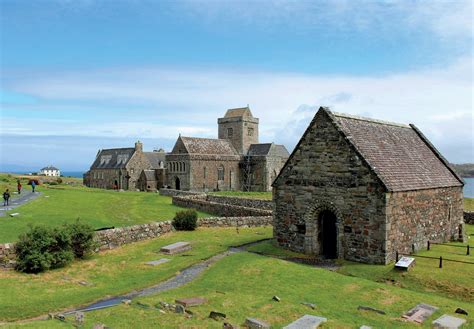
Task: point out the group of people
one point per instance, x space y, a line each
6 194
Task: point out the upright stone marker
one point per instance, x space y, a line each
306 322
448 322
176 248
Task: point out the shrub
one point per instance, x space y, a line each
185 220
59 180
43 248
82 239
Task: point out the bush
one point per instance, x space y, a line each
43 248
59 180
185 220
82 239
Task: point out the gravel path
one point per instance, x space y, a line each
21 200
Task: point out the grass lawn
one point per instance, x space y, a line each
99 208
468 204
454 280
242 285
111 273
246 195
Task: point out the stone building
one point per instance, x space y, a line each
121 168
234 161
362 189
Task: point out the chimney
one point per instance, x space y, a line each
139 146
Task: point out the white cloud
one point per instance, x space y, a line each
189 101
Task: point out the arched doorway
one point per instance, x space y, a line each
177 183
327 234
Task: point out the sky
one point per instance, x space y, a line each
77 76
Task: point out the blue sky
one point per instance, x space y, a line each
78 75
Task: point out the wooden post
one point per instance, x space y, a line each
396 256
467 252
413 248
440 261
428 244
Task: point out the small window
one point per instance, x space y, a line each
250 131
220 173
230 132
205 172
132 170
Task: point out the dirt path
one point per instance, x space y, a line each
19 201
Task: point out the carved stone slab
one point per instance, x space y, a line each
448 322
158 262
176 248
193 301
306 322
405 263
420 313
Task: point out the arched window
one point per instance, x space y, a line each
205 173
184 166
220 173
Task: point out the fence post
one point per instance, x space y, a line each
413 248
396 256
440 261
467 252
428 244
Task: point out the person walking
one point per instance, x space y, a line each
33 185
18 186
6 197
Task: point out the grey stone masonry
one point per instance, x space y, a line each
202 203
243 202
172 192
7 255
469 217
236 221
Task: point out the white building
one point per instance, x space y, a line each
50 171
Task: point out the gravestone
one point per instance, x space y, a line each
157 262
405 263
253 323
176 248
420 313
306 322
365 327
448 322
193 301
79 318
14 214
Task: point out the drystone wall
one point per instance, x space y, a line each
469 217
7 256
249 203
219 209
236 221
113 238
172 192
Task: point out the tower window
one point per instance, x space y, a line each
230 132
220 173
250 131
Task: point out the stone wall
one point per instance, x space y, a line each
469 217
7 256
113 238
326 181
236 221
414 217
250 203
172 192
219 209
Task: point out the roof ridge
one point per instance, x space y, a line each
360 118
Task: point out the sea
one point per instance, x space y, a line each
468 187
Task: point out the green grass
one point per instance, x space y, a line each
242 285
454 280
111 273
245 195
468 204
99 208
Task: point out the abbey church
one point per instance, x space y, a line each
234 161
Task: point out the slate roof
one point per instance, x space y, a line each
149 175
195 145
49 168
155 158
238 112
268 149
400 155
113 158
